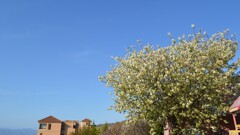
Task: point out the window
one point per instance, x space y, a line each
49 126
74 126
63 127
43 126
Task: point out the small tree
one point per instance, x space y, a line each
114 129
186 86
138 128
122 128
92 130
104 127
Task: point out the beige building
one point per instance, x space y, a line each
86 122
53 126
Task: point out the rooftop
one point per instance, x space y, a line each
50 119
235 106
86 120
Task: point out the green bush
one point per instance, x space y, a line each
87 131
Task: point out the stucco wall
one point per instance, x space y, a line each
55 129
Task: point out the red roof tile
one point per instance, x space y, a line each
50 119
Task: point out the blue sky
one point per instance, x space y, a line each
52 51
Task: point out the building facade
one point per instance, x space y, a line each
53 126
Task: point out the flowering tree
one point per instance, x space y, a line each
186 85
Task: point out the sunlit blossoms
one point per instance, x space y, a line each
187 85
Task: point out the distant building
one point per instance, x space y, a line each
86 122
53 126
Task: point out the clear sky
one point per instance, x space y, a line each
52 51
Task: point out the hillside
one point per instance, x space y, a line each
6 131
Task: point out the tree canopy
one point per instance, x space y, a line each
186 85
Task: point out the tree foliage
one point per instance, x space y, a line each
104 127
186 85
92 130
121 128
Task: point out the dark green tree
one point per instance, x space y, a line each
92 130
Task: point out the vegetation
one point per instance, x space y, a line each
121 128
103 128
118 128
87 131
186 85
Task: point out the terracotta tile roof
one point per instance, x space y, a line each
50 119
71 121
86 120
